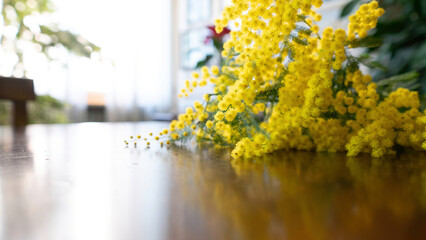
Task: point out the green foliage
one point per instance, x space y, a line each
367 42
270 94
288 46
42 36
398 79
5 110
403 31
407 80
253 121
303 29
349 7
298 40
74 43
366 60
46 109
217 42
204 61
352 63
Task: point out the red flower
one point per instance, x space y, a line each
218 35
215 35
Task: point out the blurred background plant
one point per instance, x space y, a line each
26 25
217 39
5 108
46 109
402 31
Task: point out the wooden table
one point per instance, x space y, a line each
79 181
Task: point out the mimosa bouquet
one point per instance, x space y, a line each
287 85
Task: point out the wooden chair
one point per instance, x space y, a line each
19 91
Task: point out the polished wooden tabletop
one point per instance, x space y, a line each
79 181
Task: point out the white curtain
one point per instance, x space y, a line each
135 37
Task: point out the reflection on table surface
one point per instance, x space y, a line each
79 181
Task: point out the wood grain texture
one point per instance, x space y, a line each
79 181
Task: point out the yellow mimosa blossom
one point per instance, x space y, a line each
286 86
